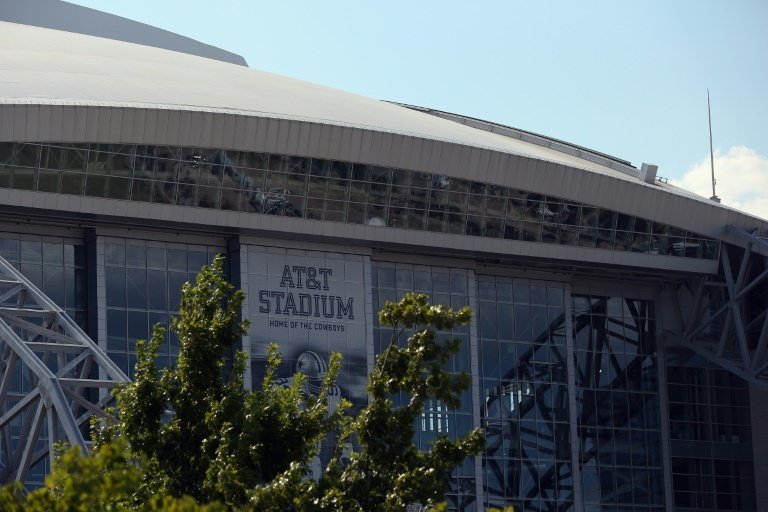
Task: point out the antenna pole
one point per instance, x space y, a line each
711 153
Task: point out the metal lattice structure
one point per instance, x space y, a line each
727 318
54 378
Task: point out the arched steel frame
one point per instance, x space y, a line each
54 378
724 318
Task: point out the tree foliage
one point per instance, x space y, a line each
387 471
194 428
191 438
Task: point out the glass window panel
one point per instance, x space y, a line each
337 189
587 237
421 180
642 225
6 176
343 170
379 193
297 183
476 204
157 297
175 281
356 213
208 197
144 167
416 219
95 185
196 260
381 174
24 179
114 254
115 286
401 177
211 175
399 196
121 165
98 162
589 216
156 258
253 179
604 239
317 187
189 173
361 172
276 179
141 190
117 329
474 225
251 160
320 167
166 170
494 227
516 208
138 328
397 218
7 153
72 183
455 223
640 242
186 195
606 219
48 181
69 254
118 188
136 256
377 215
53 283
27 155
136 288
512 230
230 199
436 221
530 231
53 253
232 177
419 198
550 233
31 251
623 241
164 192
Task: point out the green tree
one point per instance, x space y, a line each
192 439
194 429
388 471
104 481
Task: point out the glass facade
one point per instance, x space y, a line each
567 384
334 191
617 393
57 267
523 375
448 287
143 283
710 436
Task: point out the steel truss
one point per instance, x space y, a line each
53 378
726 318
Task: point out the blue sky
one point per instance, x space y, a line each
628 78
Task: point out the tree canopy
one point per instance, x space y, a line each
192 438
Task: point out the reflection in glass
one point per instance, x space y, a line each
281 185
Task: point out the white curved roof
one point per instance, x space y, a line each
59 86
50 65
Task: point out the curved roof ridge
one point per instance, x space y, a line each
67 17
532 137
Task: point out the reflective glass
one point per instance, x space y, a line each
281 184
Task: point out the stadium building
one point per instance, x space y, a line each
618 349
